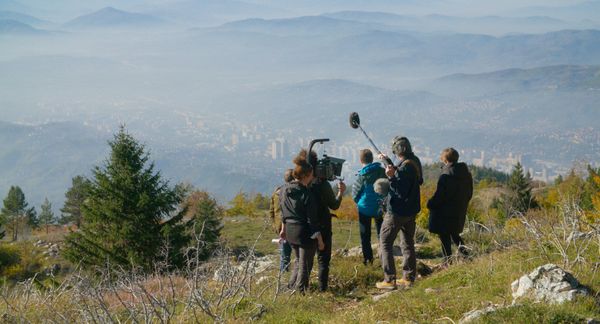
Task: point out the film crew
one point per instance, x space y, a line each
402 207
326 200
368 201
448 205
285 249
300 223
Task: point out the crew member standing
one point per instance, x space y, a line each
403 205
326 200
368 201
448 206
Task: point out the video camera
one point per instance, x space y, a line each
328 167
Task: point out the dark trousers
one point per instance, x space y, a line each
364 223
324 258
447 239
305 255
285 250
406 226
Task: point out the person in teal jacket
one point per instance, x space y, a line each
368 201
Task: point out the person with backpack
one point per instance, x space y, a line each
368 201
448 205
285 250
403 203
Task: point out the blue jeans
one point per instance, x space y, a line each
364 223
285 250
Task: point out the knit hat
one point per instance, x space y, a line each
401 145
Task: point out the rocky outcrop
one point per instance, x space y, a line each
548 283
251 267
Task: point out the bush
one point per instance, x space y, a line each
20 261
9 256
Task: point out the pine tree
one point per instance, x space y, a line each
47 215
131 215
74 200
520 198
15 213
205 215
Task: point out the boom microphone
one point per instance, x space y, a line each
355 123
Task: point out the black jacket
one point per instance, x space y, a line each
405 188
298 212
448 206
325 200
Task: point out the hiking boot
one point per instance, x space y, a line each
386 285
404 283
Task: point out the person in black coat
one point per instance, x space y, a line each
300 223
448 206
326 200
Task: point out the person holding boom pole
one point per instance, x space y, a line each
402 206
402 197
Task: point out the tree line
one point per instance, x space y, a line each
126 215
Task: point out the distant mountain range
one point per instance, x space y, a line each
307 25
23 18
14 27
110 17
493 25
212 12
576 11
548 78
551 111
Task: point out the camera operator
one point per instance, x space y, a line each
326 199
300 222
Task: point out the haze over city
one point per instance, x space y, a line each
223 93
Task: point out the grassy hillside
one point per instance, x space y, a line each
241 282
444 296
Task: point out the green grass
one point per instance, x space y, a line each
443 297
463 287
241 233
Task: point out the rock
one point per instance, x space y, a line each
379 297
253 266
477 313
432 290
354 252
592 321
548 283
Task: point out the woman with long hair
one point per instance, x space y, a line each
300 222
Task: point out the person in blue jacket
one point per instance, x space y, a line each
368 201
